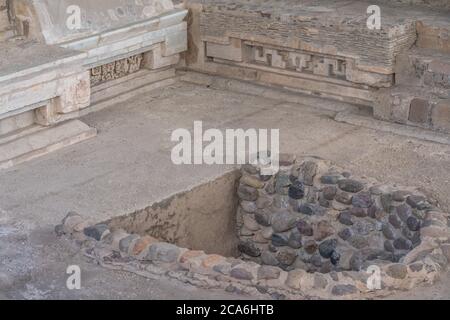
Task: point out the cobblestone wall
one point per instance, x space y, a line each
320 219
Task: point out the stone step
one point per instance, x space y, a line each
37 141
424 68
434 33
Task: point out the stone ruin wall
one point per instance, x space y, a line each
5 26
324 48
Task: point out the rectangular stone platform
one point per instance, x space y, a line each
48 80
49 69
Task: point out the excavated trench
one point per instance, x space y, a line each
203 218
308 216
310 230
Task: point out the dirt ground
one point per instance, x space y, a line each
127 167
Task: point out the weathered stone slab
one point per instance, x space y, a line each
33 76
41 142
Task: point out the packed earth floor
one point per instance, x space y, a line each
127 166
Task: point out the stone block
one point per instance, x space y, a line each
435 37
440 115
419 111
232 51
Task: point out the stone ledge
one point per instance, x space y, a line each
42 141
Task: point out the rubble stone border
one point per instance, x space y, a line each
151 258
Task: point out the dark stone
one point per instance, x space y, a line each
402 244
308 171
163 252
96 231
350 185
316 261
269 258
330 179
324 202
413 223
286 257
249 248
265 178
125 243
400 195
356 261
251 169
345 234
419 111
297 190
329 192
388 246
310 246
388 232
263 217
282 184
279 240
403 212
362 200
386 201
344 197
293 178
415 238
346 174
335 258
359 242
397 271
305 228
343 290
408 234
311 209
363 227
283 221
327 266
295 239
416 267
358 212
327 247
59 230
247 193
418 202
395 221
345 218
241 274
